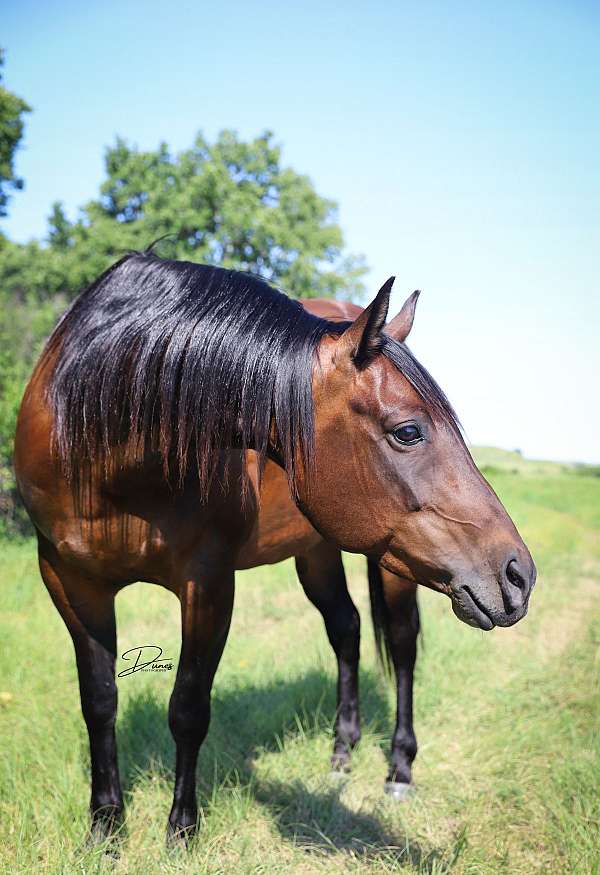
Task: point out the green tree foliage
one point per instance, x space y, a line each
230 203
12 110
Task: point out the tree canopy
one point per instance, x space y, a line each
229 203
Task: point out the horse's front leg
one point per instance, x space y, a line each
402 631
322 576
87 607
206 595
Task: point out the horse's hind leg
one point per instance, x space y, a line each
206 596
87 608
322 576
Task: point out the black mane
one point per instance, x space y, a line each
191 359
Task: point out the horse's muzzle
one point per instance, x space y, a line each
500 603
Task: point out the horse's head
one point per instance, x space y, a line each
392 477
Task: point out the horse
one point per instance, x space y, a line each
281 532
130 457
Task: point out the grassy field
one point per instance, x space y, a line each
507 775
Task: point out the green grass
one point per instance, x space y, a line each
508 724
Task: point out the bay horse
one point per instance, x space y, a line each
281 532
130 456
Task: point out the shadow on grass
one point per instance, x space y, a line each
243 720
320 822
253 718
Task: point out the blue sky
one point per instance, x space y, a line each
460 139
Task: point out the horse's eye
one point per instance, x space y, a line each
408 434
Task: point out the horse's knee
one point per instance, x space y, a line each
189 708
99 704
343 630
403 632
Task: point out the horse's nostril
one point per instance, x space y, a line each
514 575
513 586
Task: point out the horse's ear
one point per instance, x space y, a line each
399 327
362 340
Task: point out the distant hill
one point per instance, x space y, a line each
491 460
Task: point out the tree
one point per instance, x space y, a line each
230 203
12 110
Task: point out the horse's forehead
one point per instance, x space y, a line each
371 390
381 386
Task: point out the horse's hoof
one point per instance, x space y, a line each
340 764
398 791
180 835
107 824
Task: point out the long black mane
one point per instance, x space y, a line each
189 360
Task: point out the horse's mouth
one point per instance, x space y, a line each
470 610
